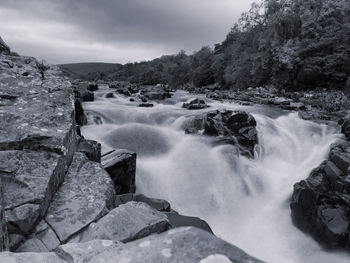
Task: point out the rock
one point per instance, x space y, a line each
84 252
4 244
3 47
233 127
157 95
125 223
30 179
146 105
345 129
80 116
131 99
86 195
186 244
9 257
91 149
110 95
321 204
121 166
177 220
92 87
44 239
158 204
82 92
195 104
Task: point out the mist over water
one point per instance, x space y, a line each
245 201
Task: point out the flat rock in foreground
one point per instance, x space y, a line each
186 245
125 223
85 196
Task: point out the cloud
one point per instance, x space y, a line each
115 30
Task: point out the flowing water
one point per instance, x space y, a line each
245 201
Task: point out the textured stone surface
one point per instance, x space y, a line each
321 203
9 257
91 149
85 196
84 252
43 239
187 245
121 166
125 223
3 224
158 204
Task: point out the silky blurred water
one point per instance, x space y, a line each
245 201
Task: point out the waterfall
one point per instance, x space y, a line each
245 201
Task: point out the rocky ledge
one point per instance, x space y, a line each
321 204
61 201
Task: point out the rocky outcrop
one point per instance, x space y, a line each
86 195
125 223
184 244
195 104
229 127
82 92
121 166
3 47
321 204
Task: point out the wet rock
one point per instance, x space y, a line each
121 166
80 116
92 86
345 129
195 104
82 92
232 127
110 95
125 223
321 204
186 244
84 252
146 105
158 204
85 196
91 149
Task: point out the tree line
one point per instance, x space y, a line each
289 44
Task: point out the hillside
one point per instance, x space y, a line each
289 44
89 69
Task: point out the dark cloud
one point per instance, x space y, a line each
115 30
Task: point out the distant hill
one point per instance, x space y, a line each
89 70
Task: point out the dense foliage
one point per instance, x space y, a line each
291 44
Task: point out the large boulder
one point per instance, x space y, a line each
121 166
186 244
86 195
229 127
125 223
321 204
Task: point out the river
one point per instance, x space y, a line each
245 201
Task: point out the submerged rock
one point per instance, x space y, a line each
321 204
186 244
121 166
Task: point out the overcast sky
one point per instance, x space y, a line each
64 31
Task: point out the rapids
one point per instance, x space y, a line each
245 201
